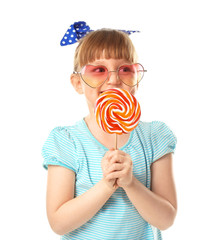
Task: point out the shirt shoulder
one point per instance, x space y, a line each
61 148
157 137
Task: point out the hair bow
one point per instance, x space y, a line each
78 30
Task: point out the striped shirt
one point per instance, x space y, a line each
74 147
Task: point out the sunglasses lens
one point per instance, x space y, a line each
131 74
94 76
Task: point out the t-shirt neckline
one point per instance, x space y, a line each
99 143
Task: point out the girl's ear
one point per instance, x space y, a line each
76 82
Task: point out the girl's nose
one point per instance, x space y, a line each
113 78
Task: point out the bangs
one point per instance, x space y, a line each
104 43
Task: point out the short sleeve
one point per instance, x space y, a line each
59 149
163 140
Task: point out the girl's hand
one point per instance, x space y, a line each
105 164
118 167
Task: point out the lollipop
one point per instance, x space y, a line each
117 111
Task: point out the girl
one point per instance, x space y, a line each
94 191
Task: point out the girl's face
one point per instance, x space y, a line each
91 94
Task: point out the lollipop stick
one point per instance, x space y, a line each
115 141
115 184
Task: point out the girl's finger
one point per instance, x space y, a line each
115 167
116 159
114 175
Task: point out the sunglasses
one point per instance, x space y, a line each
95 76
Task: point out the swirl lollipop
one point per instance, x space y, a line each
117 111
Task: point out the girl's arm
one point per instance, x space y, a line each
66 213
157 206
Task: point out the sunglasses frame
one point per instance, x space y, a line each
117 71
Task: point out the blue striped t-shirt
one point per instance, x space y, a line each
74 147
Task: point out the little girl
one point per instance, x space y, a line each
93 190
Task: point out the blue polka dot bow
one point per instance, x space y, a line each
77 31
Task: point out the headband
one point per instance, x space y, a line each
78 30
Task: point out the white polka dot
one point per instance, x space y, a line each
65 37
72 35
70 41
63 42
77 29
73 30
67 33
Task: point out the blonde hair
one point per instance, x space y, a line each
107 43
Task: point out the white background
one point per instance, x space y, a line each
36 96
